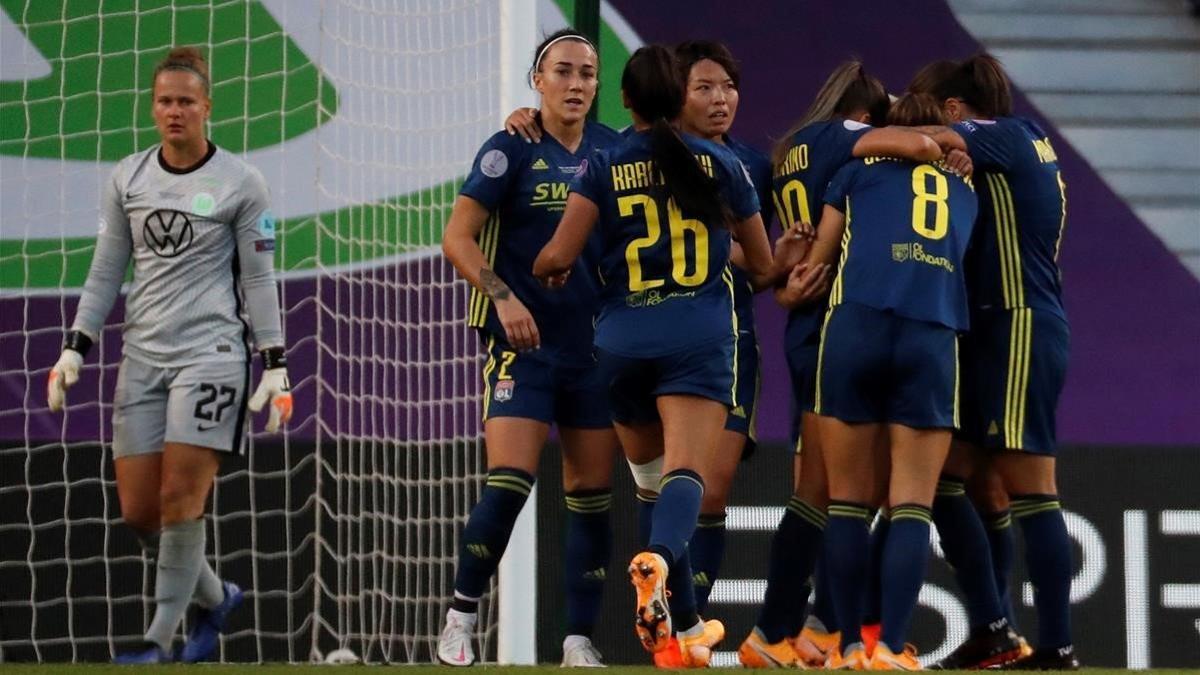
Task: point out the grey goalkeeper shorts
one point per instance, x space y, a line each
201 404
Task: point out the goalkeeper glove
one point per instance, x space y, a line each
65 372
273 388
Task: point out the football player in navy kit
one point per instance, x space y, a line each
540 369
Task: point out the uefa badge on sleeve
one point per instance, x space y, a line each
504 391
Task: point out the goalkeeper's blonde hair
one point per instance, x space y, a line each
187 59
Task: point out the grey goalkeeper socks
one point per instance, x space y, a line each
180 557
210 592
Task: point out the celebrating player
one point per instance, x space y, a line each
1015 358
711 101
540 368
888 363
666 332
195 220
831 133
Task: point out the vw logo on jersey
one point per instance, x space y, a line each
167 232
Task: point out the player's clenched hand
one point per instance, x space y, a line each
518 323
555 281
959 162
807 283
64 374
275 389
524 121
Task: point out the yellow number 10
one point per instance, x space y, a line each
791 204
679 227
922 198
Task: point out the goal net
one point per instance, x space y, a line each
362 115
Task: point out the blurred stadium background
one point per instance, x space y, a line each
363 116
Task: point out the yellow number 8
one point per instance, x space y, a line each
922 198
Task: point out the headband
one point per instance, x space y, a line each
537 63
185 67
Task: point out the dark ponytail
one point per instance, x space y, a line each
651 84
931 75
981 83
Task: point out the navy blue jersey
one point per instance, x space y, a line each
667 284
758 166
524 186
816 153
1023 210
907 229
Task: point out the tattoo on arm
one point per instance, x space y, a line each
493 286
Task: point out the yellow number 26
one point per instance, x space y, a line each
679 228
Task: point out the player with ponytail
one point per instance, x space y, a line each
1014 360
666 207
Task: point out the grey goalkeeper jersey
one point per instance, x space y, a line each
194 237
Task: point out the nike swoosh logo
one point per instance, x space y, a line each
201 427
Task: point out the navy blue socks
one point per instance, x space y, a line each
706 549
673 522
1048 558
487 532
905 557
675 513
847 542
874 611
965 542
589 548
1002 545
795 548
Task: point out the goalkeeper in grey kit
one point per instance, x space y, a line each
195 220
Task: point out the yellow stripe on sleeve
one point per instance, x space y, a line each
1018 277
488 239
1002 248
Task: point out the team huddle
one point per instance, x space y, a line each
613 278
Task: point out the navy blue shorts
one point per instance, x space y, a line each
1014 366
526 386
801 342
802 369
634 383
875 366
741 418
